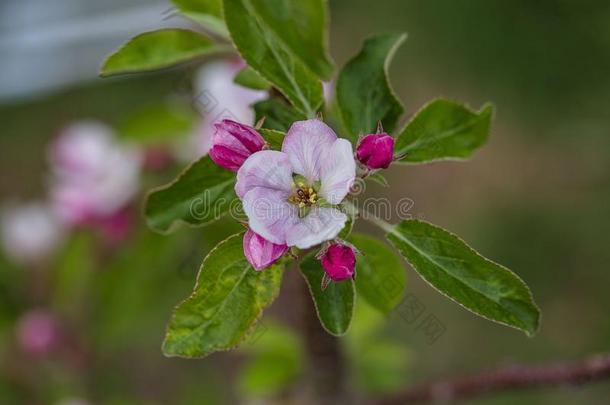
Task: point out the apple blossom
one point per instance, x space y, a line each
338 261
376 151
233 143
37 332
94 177
291 196
260 252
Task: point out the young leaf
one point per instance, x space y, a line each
303 27
443 130
364 95
248 77
271 58
278 115
334 305
274 138
156 50
228 299
380 275
201 194
207 13
460 273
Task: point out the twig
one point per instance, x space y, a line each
510 378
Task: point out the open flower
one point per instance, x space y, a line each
291 196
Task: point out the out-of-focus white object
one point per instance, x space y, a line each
217 97
94 176
46 45
30 232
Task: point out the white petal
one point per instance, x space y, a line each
305 144
321 224
338 171
269 213
268 169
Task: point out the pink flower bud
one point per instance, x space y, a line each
37 332
260 252
233 143
339 261
376 151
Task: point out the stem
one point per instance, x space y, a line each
510 378
327 367
367 216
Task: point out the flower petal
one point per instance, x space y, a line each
268 169
261 253
321 224
338 171
305 144
269 213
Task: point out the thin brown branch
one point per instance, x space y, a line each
515 377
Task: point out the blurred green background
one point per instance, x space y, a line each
536 198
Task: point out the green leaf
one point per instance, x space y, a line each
248 77
156 50
334 305
443 130
158 123
278 115
457 271
380 276
303 27
201 194
274 138
271 58
228 299
207 13
364 95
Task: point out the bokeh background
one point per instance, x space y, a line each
536 198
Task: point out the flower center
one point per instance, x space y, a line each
304 195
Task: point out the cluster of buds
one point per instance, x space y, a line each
233 143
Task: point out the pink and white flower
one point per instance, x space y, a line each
291 196
94 176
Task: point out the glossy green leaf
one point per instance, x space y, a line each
443 130
207 13
227 301
364 95
201 194
274 138
158 123
303 27
380 276
248 77
278 115
156 50
271 58
334 305
460 273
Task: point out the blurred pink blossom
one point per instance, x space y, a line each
30 232
37 332
94 176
